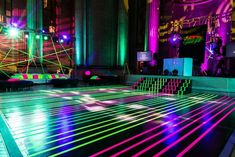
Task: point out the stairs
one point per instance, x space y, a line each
163 85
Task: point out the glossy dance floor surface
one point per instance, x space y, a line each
3 150
117 121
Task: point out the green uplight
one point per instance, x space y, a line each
122 35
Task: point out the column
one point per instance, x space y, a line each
80 32
233 20
34 26
39 26
146 28
122 35
31 23
153 27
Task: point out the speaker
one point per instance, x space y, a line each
183 66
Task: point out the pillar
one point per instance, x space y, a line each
233 20
80 32
34 25
31 24
153 27
122 35
39 27
146 28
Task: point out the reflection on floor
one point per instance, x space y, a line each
3 150
117 121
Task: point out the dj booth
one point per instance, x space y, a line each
184 66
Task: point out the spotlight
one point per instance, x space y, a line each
175 39
37 36
13 32
45 38
65 36
61 40
15 24
26 34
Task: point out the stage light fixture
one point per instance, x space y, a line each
175 39
45 38
13 32
37 36
65 36
26 34
61 40
15 24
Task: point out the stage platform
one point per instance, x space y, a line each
199 83
114 121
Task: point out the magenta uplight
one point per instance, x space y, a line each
88 73
153 33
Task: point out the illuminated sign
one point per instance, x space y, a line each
193 39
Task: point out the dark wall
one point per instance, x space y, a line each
2 7
19 12
102 19
49 14
137 16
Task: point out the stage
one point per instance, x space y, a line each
199 83
114 121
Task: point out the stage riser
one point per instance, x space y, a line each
215 84
39 78
163 85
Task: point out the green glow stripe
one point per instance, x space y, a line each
43 126
79 89
52 99
73 102
58 59
46 94
192 104
9 51
49 99
100 138
2 71
31 56
65 51
85 115
89 114
62 127
115 112
57 112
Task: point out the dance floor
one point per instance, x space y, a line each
3 150
115 121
